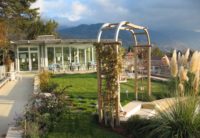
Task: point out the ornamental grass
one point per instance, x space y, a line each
180 120
187 69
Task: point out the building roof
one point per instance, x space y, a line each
45 37
57 41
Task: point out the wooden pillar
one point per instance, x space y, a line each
100 112
136 74
149 71
118 92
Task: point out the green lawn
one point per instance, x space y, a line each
83 95
84 87
81 125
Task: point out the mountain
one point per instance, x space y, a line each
166 39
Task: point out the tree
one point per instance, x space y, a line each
130 49
40 27
19 21
22 21
157 52
17 15
4 46
3 35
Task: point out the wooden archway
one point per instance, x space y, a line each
110 51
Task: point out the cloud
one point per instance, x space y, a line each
77 11
111 6
156 14
38 4
69 9
197 30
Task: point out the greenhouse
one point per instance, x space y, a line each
46 52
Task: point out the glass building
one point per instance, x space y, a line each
46 52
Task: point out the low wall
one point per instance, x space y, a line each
2 72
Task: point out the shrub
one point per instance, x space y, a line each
145 97
134 127
188 85
172 85
162 95
46 112
32 130
50 87
184 72
180 121
46 85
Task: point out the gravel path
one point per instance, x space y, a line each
13 97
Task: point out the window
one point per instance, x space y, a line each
74 55
1 57
94 54
23 49
58 52
81 56
66 55
24 61
88 51
33 48
50 55
91 53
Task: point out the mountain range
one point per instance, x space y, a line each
166 39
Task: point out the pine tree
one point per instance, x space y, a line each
22 21
17 15
40 27
19 21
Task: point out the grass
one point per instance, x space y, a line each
81 125
83 95
84 87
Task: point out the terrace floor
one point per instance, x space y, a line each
13 97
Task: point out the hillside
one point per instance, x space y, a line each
165 39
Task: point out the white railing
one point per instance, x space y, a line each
2 72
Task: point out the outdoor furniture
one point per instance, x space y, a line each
82 67
91 65
74 66
66 67
55 67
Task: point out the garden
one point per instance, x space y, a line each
72 111
67 106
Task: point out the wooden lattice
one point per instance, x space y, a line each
109 68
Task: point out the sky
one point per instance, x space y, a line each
157 14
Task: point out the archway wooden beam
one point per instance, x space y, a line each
124 25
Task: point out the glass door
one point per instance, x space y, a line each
34 60
24 61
